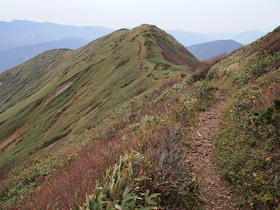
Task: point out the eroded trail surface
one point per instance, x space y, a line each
215 192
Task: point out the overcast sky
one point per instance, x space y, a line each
189 15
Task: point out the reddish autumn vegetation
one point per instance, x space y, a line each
71 184
176 58
270 43
118 48
151 136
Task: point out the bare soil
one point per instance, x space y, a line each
215 192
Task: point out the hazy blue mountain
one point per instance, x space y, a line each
248 37
209 50
12 58
190 38
21 39
21 32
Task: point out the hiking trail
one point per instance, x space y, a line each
215 192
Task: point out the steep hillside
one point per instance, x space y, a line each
24 80
16 56
210 50
59 92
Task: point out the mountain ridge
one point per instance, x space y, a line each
106 72
18 35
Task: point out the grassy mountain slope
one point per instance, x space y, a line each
21 82
247 145
135 156
46 103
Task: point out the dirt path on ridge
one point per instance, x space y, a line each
215 192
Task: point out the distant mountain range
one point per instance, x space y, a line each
209 50
21 40
21 33
16 56
248 37
190 38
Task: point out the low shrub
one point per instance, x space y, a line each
246 149
122 186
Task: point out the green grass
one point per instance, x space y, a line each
246 149
21 82
99 85
247 146
149 124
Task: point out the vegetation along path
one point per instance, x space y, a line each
215 192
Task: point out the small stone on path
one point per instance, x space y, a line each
197 143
